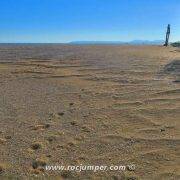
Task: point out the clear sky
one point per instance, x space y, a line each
102 20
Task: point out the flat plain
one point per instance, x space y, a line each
89 105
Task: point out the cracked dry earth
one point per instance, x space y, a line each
89 105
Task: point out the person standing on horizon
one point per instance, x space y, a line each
167 35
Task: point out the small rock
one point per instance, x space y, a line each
51 138
73 123
49 155
47 125
71 144
2 141
36 146
38 163
8 137
61 113
60 146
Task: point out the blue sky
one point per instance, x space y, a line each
102 20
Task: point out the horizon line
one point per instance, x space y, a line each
90 41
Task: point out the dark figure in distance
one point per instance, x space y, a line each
167 35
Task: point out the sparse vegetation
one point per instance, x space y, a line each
176 44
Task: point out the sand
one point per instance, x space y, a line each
89 105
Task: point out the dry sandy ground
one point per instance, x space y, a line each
89 105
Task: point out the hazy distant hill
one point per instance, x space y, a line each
155 42
97 42
134 42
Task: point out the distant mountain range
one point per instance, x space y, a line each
134 42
